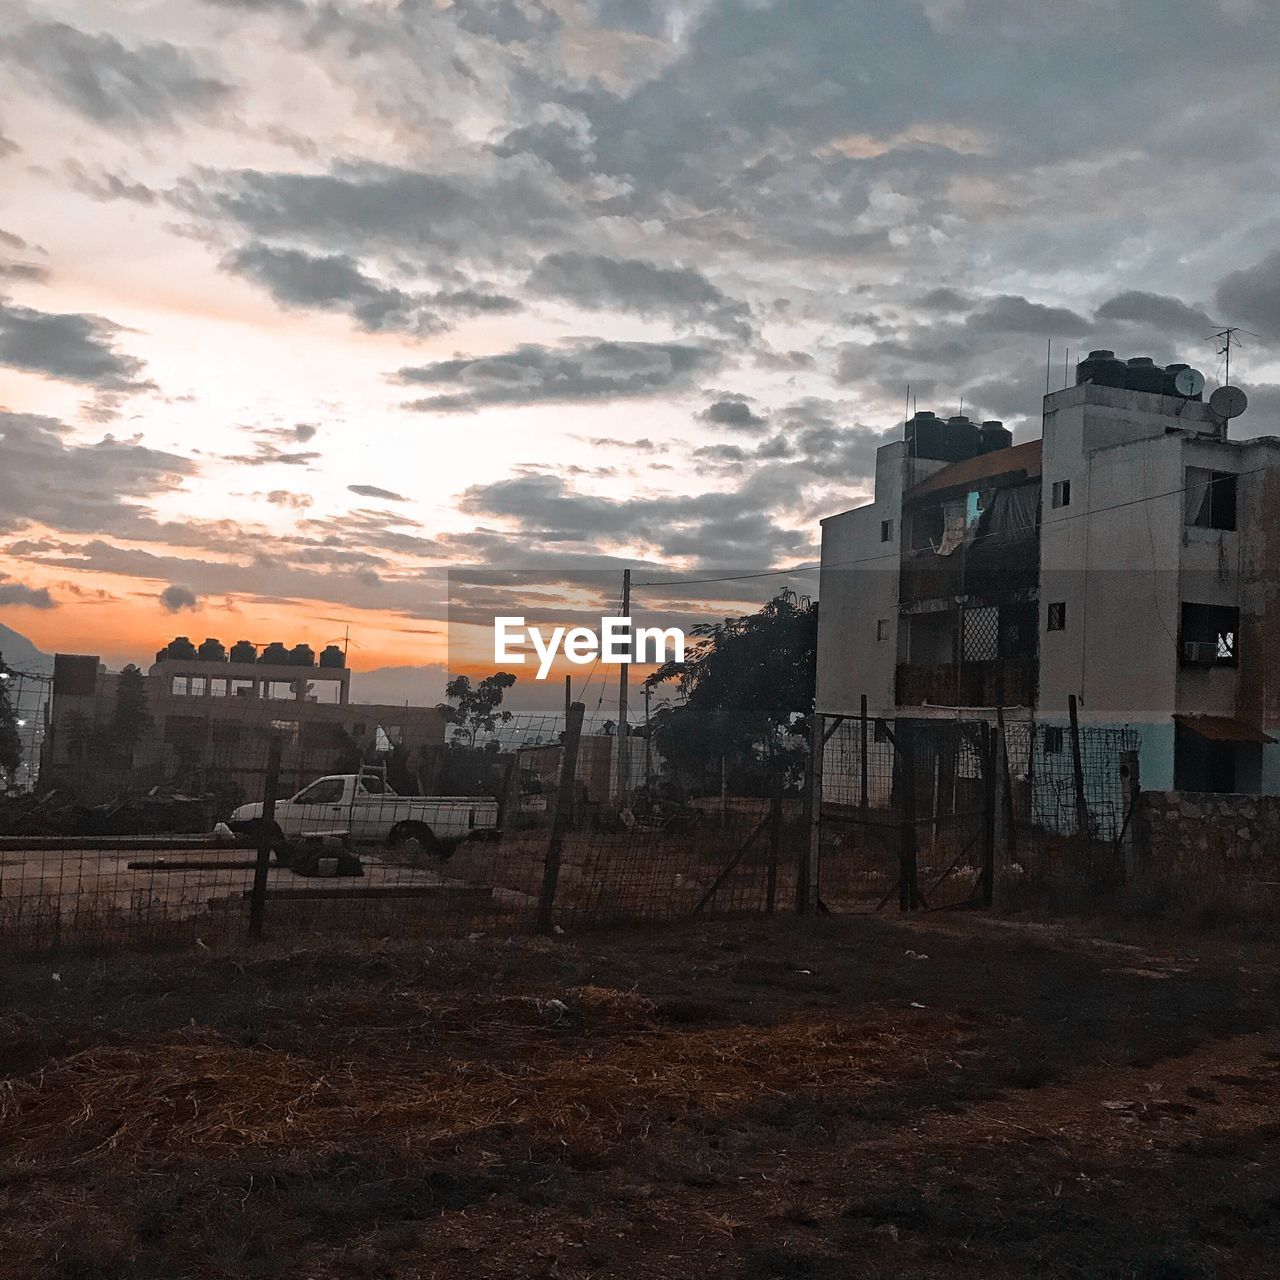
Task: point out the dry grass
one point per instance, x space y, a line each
742 1101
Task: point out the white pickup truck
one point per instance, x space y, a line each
363 808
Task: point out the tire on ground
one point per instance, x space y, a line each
427 840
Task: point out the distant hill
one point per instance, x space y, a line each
20 654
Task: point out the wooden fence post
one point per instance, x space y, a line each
865 796
908 872
990 777
775 842
564 811
258 894
508 802
1077 766
807 871
1131 833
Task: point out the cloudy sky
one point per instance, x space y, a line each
302 303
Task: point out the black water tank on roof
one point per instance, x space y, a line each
212 651
926 436
243 651
332 656
994 435
181 647
962 439
1170 387
1102 369
1144 375
275 654
302 655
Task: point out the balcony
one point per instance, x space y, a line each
1009 682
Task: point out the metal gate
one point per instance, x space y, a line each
902 810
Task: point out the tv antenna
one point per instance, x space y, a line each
1228 339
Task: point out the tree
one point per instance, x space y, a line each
132 719
10 739
746 691
476 708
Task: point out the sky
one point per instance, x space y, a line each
309 311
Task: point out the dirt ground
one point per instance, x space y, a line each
855 1097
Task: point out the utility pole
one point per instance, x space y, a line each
648 740
624 671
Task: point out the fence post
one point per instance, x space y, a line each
510 791
908 881
990 775
258 895
865 797
807 871
1131 837
1077 766
564 810
775 842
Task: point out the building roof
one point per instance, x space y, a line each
1023 459
1223 728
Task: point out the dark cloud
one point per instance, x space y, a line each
278 446
1158 310
734 412
48 477
70 346
104 185
337 282
18 593
110 83
944 299
358 207
599 283
372 491
333 282
506 21
1011 313
259 6
1252 296
31 272
175 598
719 527
584 370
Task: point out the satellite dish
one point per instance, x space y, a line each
1228 402
1189 382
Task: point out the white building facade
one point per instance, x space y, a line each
1129 558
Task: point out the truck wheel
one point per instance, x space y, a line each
416 837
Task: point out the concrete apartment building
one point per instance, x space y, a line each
1128 557
214 714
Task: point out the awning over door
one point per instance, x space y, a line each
1223 728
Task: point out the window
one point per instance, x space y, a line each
179 687
371 783
326 791
1058 616
882 628
1209 635
886 530
1053 739
1062 493
1210 499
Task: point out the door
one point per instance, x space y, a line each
315 808
372 808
